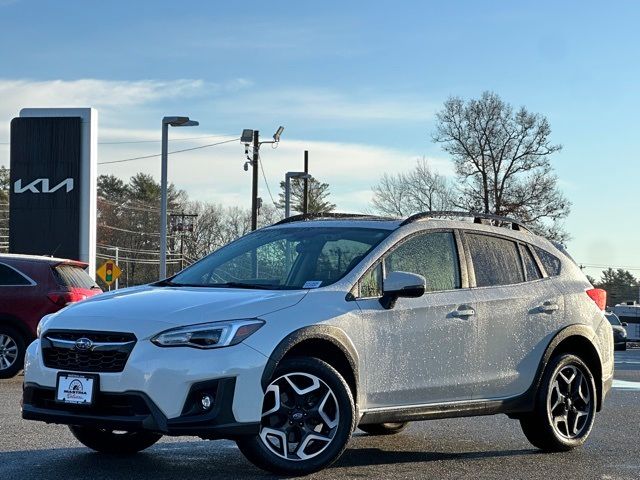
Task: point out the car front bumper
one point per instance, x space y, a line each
159 390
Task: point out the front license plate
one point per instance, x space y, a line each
75 388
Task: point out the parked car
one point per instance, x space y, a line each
619 332
31 287
289 338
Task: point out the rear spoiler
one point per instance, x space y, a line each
71 263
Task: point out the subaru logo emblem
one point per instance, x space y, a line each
83 344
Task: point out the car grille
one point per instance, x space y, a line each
105 351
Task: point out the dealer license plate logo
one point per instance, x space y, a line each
74 389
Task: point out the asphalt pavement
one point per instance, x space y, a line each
474 448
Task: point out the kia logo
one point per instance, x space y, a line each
33 186
83 344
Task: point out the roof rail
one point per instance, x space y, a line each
329 216
477 218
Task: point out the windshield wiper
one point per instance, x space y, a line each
259 286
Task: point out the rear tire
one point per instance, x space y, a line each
107 441
308 417
389 428
565 406
12 349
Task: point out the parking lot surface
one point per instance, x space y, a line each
478 448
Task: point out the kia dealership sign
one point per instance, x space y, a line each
53 183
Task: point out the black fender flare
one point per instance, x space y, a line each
328 333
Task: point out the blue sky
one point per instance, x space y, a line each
355 82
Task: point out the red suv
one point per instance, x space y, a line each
31 287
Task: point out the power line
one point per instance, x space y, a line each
142 208
137 260
133 250
265 181
622 267
123 142
169 153
132 231
158 141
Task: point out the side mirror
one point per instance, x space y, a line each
624 324
401 284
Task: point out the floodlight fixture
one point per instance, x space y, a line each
276 136
247 136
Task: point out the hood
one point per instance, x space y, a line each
148 310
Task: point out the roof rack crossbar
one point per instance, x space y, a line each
477 218
328 215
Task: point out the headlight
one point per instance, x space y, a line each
208 335
41 323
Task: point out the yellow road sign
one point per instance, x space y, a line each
109 272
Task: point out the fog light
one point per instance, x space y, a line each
206 401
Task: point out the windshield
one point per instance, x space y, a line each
284 258
613 319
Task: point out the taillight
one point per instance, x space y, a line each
65 298
599 296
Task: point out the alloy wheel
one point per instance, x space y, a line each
570 402
8 351
300 416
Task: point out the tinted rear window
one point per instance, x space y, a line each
9 277
72 276
530 267
550 262
496 261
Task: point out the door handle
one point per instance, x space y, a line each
463 311
548 307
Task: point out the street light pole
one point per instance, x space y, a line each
163 200
174 122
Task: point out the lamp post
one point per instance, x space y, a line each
174 122
287 189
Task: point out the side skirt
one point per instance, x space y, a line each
512 406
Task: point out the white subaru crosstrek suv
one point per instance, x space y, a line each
289 338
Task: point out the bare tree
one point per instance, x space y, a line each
419 190
502 160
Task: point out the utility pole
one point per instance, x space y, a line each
254 188
305 199
182 227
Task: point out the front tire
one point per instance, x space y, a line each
108 441
308 416
12 349
389 428
565 406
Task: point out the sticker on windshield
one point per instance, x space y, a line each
312 284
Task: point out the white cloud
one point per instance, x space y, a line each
111 98
325 104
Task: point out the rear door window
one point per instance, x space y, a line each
10 277
496 261
73 277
